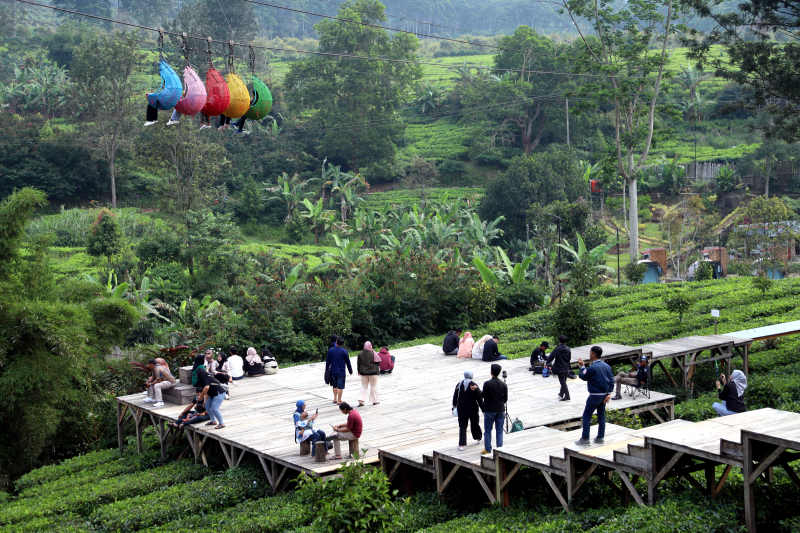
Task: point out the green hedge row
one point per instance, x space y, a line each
267 515
62 524
106 470
50 473
85 498
218 492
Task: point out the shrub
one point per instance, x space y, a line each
574 317
677 302
634 272
105 238
761 282
704 271
356 501
80 463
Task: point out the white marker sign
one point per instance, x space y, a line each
715 313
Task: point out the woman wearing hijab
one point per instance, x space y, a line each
467 400
465 346
731 394
252 363
199 362
387 360
368 366
477 349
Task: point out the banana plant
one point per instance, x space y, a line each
489 277
596 254
348 256
294 274
515 274
320 219
113 288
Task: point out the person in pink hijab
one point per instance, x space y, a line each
465 346
368 365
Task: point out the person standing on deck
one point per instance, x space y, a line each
467 400
731 394
450 344
599 379
368 368
337 360
495 397
560 357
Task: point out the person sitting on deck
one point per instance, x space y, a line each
599 380
194 413
252 363
161 380
350 430
637 377
450 344
491 352
336 361
304 426
236 363
731 394
465 346
477 348
539 355
387 360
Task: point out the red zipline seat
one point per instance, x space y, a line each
218 98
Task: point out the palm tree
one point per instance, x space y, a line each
289 192
691 78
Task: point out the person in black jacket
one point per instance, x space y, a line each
731 394
539 355
495 397
491 352
450 344
467 399
636 377
560 357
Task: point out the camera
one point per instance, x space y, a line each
505 374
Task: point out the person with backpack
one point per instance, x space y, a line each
599 380
561 358
467 401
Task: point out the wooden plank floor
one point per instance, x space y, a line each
412 420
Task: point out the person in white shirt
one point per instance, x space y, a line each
236 363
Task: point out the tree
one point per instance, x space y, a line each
105 238
677 302
515 100
288 191
625 63
544 178
15 212
354 101
756 46
763 224
421 174
104 71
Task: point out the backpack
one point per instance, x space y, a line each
545 372
516 426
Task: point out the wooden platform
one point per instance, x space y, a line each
412 419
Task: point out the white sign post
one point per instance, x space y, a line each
715 314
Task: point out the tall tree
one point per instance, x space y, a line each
520 101
759 51
355 100
625 63
104 70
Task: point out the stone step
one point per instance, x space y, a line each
185 374
179 394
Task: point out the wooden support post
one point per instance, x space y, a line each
711 477
631 487
749 495
484 486
728 367
791 473
120 427
556 490
407 480
664 368
682 362
746 358
138 421
267 471
718 488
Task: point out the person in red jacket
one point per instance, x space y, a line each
387 360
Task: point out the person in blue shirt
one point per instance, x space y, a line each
336 360
599 379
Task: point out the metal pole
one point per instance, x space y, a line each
618 282
567 105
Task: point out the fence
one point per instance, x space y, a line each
783 175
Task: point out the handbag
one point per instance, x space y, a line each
455 407
328 377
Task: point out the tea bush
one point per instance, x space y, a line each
225 489
50 473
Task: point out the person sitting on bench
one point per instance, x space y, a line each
350 430
637 377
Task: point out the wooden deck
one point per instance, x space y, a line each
413 416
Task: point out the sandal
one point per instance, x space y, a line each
336 457
210 423
361 404
376 403
173 425
220 426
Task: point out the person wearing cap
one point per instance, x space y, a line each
635 378
538 355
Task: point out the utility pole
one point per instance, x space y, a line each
566 100
618 282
